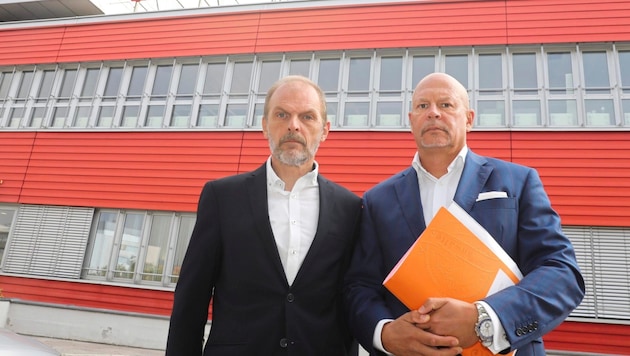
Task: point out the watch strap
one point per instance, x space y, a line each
484 327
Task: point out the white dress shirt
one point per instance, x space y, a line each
436 193
293 216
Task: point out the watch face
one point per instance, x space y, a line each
485 328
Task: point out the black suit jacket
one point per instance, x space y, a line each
232 258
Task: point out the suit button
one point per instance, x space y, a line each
290 297
519 332
284 343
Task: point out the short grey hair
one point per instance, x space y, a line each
297 78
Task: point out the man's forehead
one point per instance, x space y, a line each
435 94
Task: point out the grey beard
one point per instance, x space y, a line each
289 158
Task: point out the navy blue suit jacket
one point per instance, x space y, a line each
524 224
232 258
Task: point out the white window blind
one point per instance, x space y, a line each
48 241
603 254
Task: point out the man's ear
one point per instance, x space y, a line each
470 119
326 130
263 123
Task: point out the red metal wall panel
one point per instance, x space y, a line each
278 29
15 153
31 45
599 338
585 173
383 26
556 21
127 169
172 37
86 294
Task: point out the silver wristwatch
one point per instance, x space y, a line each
484 328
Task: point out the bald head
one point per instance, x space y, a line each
441 80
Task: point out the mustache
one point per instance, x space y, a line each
292 137
433 126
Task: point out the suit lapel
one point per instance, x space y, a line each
473 179
408 190
257 193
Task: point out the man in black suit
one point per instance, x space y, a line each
270 247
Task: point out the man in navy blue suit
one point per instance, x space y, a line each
507 199
270 247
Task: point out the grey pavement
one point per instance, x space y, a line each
79 348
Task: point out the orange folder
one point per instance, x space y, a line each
454 257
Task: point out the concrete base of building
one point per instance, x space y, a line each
84 324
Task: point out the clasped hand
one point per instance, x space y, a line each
441 327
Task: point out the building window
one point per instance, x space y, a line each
551 87
421 66
602 254
457 66
7 216
491 110
106 103
390 94
63 100
134 96
624 79
300 67
186 91
138 247
527 90
239 95
211 95
47 240
184 228
598 101
356 96
328 71
562 89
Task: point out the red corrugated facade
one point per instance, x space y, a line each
585 172
388 25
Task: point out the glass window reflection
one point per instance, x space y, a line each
328 78
359 76
186 225
491 113
526 112
356 114
129 246
563 113
599 112
155 259
524 71
490 74
208 115
102 244
596 77
390 75
421 67
389 114
560 73
457 67
624 68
